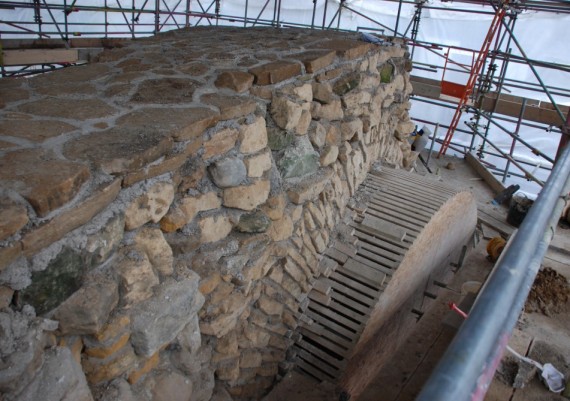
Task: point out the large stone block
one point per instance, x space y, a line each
187 209
151 206
253 136
137 278
43 180
272 73
220 142
13 217
60 379
88 309
214 228
247 197
258 164
238 81
299 160
228 172
285 112
157 321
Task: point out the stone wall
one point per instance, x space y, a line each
164 209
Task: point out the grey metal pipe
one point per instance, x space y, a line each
469 363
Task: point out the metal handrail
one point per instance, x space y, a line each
468 365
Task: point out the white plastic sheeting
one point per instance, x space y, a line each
542 36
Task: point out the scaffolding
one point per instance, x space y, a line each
487 107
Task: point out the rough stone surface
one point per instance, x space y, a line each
228 172
246 197
299 160
253 136
214 228
172 386
49 183
13 217
60 378
187 210
285 112
151 206
230 106
259 164
329 155
220 143
151 241
87 310
157 321
256 222
238 81
137 278
275 72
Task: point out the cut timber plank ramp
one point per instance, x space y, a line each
369 246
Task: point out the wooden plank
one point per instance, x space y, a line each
349 313
351 303
331 360
438 191
311 370
414 191
336 255
508 105
322 285
395 198
364 235
402 176
384 227
348 250
317 362
375 266
39 56
373 276
320 297
331 318
371 252
346 279
342 290
326 338
495 224
408 194
496 185
335 334
412 227
414 208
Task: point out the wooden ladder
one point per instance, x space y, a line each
475 71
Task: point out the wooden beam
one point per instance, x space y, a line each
496 185
18 44
37 56
508 105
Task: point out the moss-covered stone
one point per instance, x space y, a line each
299 160
386 73
256 222
278 139
52 286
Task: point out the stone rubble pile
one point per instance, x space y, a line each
165 209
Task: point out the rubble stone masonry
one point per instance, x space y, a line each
163 210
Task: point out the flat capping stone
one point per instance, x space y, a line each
316 60
274 72
346 48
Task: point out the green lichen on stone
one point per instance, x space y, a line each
299 160
386 73
278 139
50 287
256 222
